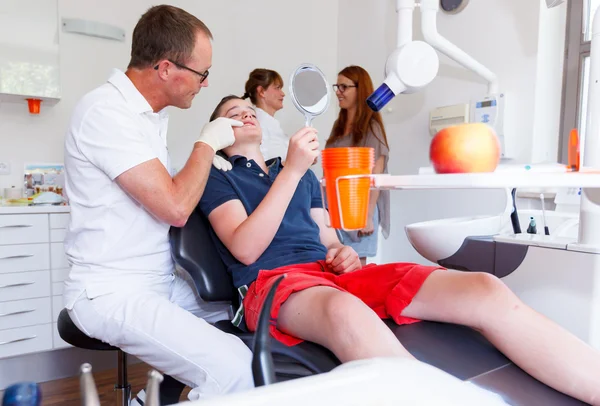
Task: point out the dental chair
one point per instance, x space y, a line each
457 350
193 250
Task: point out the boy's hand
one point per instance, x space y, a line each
303 150
342 259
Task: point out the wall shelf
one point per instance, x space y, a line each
22 99
29 52
499 180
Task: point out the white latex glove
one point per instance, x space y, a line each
218 134
221 163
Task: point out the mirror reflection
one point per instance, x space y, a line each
309 91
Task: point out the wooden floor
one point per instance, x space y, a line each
65 392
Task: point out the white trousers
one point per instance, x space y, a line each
164 326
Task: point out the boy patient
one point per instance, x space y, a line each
268 220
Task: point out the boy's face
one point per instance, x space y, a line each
243 111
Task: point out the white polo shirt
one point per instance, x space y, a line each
274 140
113 243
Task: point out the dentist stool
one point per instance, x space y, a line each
170 388
69 332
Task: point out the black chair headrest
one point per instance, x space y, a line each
193 250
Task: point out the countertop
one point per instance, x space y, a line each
34 209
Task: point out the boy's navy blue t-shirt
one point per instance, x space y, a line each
297 240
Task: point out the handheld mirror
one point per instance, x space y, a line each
310 91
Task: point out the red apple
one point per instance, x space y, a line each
471 147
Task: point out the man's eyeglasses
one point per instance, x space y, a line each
203 75
342 88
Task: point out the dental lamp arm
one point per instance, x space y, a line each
429 10
414 64
405 10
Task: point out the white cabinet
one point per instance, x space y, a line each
24 285
23 258
33 267
25 340
23 229
22 313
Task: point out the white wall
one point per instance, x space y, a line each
501 34
264 33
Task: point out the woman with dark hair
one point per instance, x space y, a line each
359 126
264 89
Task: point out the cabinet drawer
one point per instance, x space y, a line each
25 340
57 306
58 258
24 285
26 257
59 220
21 313
58 234
58 342
58 288
23 228
60 275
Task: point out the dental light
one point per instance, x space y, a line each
414 64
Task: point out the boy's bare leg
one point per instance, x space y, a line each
539 346
340 322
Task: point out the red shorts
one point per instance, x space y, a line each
387 289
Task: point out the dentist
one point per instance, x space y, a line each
122 287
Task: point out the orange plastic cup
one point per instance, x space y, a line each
34 105
353 207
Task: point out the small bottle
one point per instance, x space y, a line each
532 229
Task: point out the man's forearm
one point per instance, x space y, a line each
189 183
254 235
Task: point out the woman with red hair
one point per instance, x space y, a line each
359 126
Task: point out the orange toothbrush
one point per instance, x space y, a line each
574 150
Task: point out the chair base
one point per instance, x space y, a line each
123 395
122 388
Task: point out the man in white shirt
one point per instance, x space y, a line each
123 288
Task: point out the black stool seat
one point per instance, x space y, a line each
69 332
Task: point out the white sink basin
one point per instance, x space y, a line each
439 239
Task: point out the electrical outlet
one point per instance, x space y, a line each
4 168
